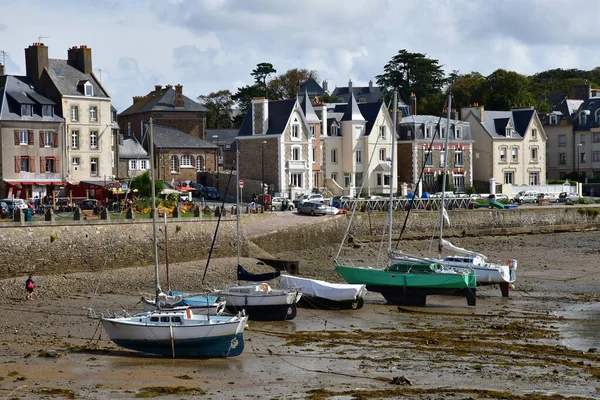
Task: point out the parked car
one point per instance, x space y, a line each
497 196
90 204
198 187
526 197
18 203
210 193
4 211
276 203
564 197
312 208
548 196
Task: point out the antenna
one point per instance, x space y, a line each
4 54
42 37
99 72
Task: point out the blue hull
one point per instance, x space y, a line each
219 347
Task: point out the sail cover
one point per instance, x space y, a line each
244 275
447 245
325 290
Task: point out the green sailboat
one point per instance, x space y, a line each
407 279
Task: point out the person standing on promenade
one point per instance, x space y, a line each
30 287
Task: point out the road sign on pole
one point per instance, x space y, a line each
241 183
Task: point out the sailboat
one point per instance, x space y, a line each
176 332
326 295
259 300
408 279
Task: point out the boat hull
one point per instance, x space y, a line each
261 305
410 288
325 295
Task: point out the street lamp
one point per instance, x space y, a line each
579 146
262 159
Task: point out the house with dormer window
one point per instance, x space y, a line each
509 146
586 130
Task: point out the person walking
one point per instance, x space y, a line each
30 287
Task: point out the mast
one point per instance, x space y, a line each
443 204
153 210
237 204
167 252
390 207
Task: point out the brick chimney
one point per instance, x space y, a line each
36 59
1 69
157 88
178 103
80 58
413 104
370 86
475 108
260 116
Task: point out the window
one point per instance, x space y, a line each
379 179
514 154
358 156
428 179
143 164
582 138
596 156
583 117
24 137
26 110
534 133
75 139
74 113
442 158
458 158
382 132
582 157
46 139
358 178
386 180
132 164
93 139
358 131
296 154
25 164
427 156
314 154
382 154
534 178
295 131
553 119
509 177
334 176
296 179
347 180
334 155
47 111
458 132
562 158
88 89
200 163
75 160
596 137
93 113
94 167
427 131
502 154
187 161
174 164
312 131
334 130
509 131
443 132
50 164
534 154
562 140
459 181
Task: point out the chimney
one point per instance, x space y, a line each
157 88
1 69
325 86
178 103
36 59
370 86
413 104
80 58
475 108
260 116
324 120
581 92
349 87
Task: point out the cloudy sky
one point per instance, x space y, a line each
208 45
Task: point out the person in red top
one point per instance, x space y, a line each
30 287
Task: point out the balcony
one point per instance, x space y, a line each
296 164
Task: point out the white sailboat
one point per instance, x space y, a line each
177 332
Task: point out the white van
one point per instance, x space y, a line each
529 196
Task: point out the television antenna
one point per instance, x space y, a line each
42 37
99 72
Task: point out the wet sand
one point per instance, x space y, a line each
541 341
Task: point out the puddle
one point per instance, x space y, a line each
581 327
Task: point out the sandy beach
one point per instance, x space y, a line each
542 341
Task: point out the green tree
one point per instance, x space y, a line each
260 74
467 89
219 106
143 183
505 89
412 73
327 98
285 86
243 99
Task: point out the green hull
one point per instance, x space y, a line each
411 282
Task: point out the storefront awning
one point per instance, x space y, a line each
39 183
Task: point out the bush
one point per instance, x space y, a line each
590 212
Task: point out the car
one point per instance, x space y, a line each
276 203
4 211
316 196
563 197
497 196
312 208
89 204
526 197
548 196
198 189
210 193
18 203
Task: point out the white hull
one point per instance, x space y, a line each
260 302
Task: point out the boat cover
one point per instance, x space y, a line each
198 300
244 275
447 245
325 290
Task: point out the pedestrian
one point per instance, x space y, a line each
30 287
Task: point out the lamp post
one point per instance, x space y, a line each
262 159
579 146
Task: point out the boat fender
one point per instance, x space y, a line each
264 287
188 313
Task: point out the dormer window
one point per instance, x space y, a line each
553 119
47 111
457 132
583 117
88 89
334 130
26 110
427 131
509 131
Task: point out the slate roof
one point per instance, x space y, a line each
166 137
279 115
411 127
162 100
370 111
352 112
67 78
131 148
520 120
17 90
592 105
307 108
360 91
226 136
312 87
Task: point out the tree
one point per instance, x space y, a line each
467 89
143 183
285 86
260 74
243 98
219 106
412 73
327 98
506 89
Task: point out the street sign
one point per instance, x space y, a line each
241 183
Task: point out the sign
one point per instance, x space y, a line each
241 183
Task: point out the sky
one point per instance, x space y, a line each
210 45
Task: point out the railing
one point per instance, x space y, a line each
404 204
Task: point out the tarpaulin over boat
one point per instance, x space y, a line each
244 275
325 290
